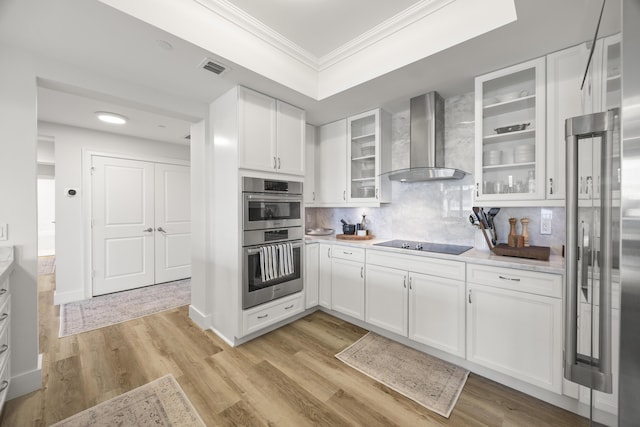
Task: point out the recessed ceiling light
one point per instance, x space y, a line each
113 118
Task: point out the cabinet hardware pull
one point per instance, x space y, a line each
405 282
550 185
477 189
410 280
376 193
278 162
314 196
344 195
147 230
289 307
3 316
362 272
329 252
4 385
4 348
581 185
3 291
469 296
347 253
265 316
509 278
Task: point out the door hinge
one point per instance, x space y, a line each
93 169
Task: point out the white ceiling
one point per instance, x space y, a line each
321 26
99 55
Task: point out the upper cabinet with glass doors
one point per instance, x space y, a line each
368 151
510 133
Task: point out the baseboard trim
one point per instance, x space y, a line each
26 382
201 319
67 297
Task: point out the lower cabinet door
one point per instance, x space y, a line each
516 333
437 312
311 276
386 294
347 287
324 276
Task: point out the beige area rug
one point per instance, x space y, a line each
46 265
159 403
106 310
429 381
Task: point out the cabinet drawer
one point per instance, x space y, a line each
534 282
347 252
4 347
5 378
270 313
419 264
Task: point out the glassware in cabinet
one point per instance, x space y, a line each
510 133
363 147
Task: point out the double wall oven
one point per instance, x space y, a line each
272 240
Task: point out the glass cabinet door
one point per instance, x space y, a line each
510 130
363 146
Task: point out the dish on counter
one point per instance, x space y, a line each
319 231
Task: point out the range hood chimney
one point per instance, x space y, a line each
426 161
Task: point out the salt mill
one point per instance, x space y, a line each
525 231
511 239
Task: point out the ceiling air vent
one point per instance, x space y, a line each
213 66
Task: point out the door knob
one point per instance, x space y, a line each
148 230
162 230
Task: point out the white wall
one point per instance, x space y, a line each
18 136
70 236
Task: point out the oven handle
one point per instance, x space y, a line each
253 251
276 197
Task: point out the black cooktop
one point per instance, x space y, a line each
440 248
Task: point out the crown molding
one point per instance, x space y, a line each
396 23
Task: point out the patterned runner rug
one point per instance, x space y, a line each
427 380
158 403
46 264
106 310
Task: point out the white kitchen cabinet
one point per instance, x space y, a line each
331 164
271 134
260 317
387 298
514 326
410 296
347 281
437 312
368 155
310 167
510 163
324 275
311 274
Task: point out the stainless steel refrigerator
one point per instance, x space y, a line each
602 295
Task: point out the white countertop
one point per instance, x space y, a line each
554 265
6 261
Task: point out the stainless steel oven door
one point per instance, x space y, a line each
262 211
255 290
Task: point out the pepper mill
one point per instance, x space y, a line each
525 231
511 239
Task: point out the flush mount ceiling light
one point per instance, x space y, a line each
113 118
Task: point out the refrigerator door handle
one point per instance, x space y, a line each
585 369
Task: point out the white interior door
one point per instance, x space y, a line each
46 216
123 224
172 222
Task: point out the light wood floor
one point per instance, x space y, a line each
289 377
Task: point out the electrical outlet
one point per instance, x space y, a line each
546 216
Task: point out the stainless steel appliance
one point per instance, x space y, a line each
272 242
271 203
593 249
441 248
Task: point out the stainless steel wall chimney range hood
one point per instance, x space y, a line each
426 157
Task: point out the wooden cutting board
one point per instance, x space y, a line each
354 237
531 252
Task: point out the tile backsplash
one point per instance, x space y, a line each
438 211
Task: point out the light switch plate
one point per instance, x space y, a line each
546 216
4 230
